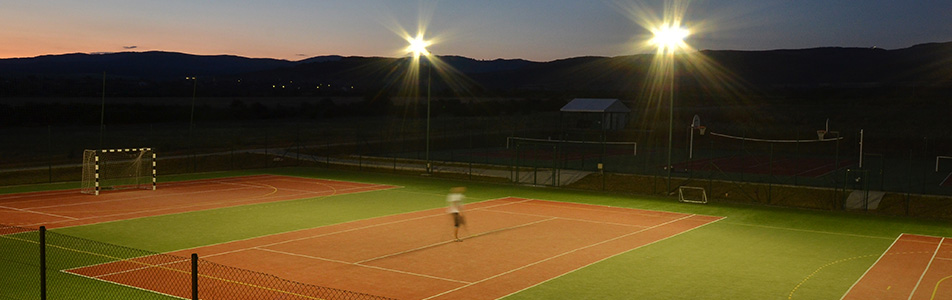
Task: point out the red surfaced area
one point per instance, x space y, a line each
509 245
71 208
914 267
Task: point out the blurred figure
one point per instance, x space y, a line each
455 200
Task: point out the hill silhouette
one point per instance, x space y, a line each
925 64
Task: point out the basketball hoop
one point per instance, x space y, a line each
820 134
702 129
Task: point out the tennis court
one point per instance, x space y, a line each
65 208
390 236
509 244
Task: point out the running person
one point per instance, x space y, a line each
455 200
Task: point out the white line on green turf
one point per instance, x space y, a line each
808 230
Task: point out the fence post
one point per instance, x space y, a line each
194 276
42 262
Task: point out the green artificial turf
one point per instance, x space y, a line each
753 253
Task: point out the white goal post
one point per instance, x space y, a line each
692 194
114 169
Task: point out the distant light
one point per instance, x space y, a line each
669 37
418 46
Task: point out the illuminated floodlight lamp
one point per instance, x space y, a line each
669 38
418 46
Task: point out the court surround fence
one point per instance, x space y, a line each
49 265
475 148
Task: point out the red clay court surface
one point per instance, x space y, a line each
509 245
66 208
915 267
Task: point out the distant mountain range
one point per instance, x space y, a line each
150 73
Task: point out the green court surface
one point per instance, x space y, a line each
755 252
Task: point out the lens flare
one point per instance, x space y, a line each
418 46
669 38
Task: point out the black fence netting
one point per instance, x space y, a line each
875 168
39 264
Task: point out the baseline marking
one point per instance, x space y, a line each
556 256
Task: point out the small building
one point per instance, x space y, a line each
595 113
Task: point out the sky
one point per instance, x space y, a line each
538 30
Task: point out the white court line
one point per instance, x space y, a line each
362 265
873 265
74 193
636 211
620 253
435 214
332 189
926 270
450 241
178 207
616 210
145 266
557 256
38 212
564 218
122 284
810 231
326 234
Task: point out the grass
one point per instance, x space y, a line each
756 252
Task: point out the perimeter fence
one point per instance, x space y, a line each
41 264
887 170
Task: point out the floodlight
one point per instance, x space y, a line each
669 37
418 46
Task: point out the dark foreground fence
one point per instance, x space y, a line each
38 264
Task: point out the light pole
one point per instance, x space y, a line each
418 47
669 38
191 122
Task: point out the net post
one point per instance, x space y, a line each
153 168
97 173
42 242
194 276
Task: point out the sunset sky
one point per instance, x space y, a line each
539 30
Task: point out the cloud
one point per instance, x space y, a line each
129 47
301 55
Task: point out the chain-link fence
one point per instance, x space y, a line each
901 173
39 264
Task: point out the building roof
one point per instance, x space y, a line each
601 105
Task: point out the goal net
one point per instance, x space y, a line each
113 169
692 194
